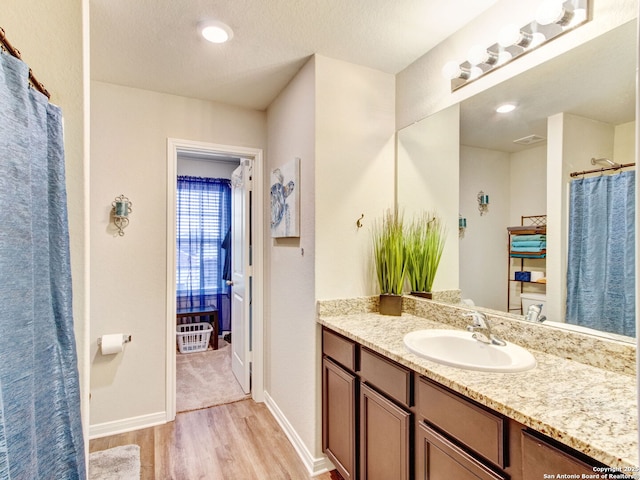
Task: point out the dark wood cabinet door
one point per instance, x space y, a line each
437 458
540 458
339 396
384 438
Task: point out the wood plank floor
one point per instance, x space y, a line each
236 441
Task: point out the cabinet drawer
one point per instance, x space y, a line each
386 375
341 349
437 458
539 457
473 425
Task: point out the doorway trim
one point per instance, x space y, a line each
174 147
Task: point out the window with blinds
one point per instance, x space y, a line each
203 222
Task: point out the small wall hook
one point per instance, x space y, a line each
359 221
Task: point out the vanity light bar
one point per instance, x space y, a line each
553 18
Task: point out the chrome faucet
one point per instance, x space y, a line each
533 314
480 322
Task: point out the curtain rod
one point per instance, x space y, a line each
16 53
598 170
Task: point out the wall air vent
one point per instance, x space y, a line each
529 140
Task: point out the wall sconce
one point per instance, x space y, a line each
121 208
553 18
462 225
483 202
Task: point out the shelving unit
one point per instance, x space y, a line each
529 225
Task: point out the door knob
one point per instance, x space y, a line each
229 282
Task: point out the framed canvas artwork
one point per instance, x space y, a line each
285 200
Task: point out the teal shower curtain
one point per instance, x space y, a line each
601 260
40 425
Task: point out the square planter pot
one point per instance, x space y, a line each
428 295
390 304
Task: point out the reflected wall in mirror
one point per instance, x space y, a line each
575 107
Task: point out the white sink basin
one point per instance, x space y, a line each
458 349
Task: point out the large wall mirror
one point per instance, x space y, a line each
575 107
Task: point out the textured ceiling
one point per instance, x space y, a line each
154 44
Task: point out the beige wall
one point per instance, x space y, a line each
355 135
428 171
528 194
338 118
57 57
130 128
624 146
290 327
483 248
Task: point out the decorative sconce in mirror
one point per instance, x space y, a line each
483 202
462 225
121 208
553 18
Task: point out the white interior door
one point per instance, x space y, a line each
241 274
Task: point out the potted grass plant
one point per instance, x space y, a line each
390 260
424 245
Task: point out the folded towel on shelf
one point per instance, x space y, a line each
518 248
530 243
541 254
528 238
526 228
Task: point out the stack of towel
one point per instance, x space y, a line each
528 246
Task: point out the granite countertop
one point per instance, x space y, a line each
589 409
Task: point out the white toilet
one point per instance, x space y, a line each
529 299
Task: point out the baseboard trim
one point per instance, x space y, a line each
315 466
127 425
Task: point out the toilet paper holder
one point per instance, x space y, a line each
125 339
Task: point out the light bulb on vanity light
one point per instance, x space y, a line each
512 35
537 38
452 70
478 54
579 16
553 11
475 72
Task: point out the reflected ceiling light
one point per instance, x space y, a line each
216 32
553 18
506 108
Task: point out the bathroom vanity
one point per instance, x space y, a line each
388 413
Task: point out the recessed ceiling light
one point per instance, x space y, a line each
506 108
216 32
